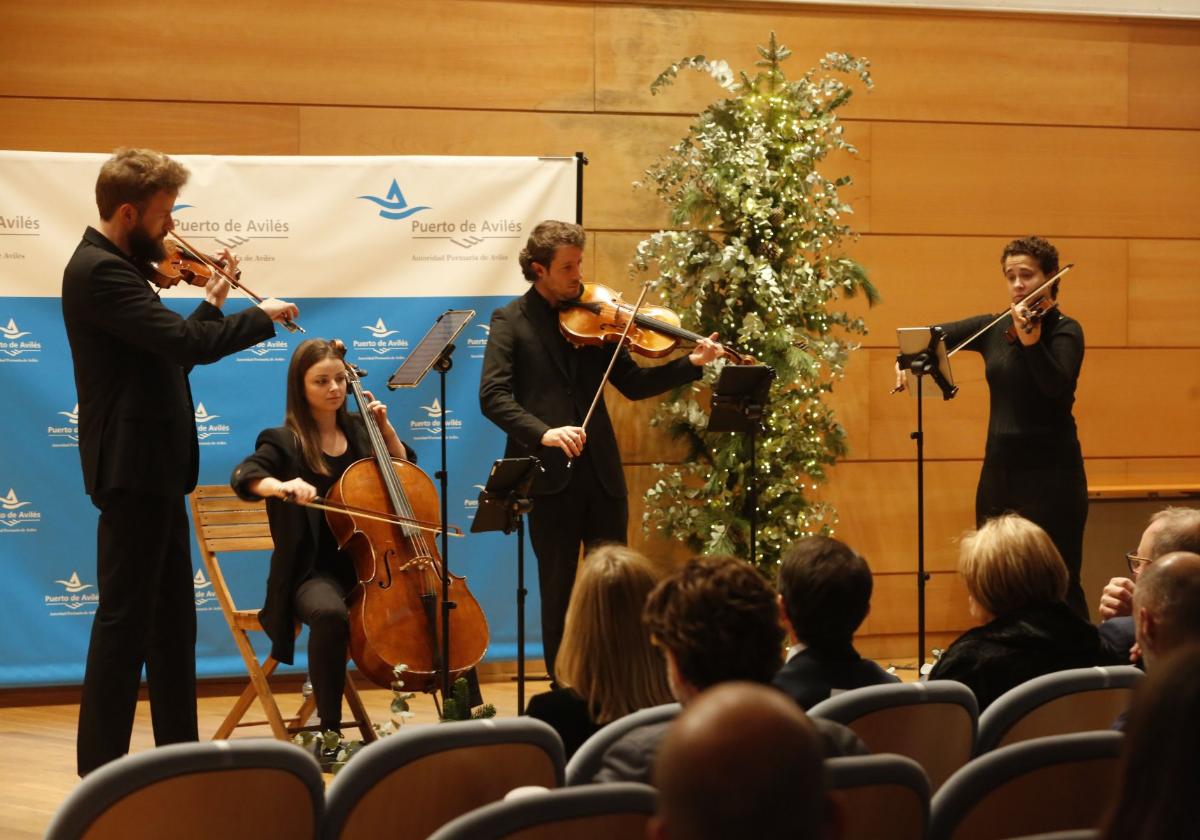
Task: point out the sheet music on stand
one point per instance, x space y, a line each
430 348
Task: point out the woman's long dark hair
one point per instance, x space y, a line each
298 415
1160 767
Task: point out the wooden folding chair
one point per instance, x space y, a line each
224 523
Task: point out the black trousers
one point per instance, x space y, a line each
320 603
146 617
582 514
1054 497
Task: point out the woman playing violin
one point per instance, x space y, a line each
538 388
310 578
1032 463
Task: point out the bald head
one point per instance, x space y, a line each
1166 605
741 760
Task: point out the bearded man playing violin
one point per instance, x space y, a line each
138 447
538 387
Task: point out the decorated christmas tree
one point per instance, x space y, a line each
758 256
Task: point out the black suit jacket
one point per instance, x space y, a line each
533 380
137 423
810 678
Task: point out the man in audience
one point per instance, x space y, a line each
742 761
824 595
1166 606
1170 529
715 620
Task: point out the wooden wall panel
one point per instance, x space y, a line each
1164 293
1164 63
430 53
928 66
967 179
79 125
877 508
894 604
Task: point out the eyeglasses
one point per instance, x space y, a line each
1136 564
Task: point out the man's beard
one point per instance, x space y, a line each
145 248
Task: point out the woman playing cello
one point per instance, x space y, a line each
1032 464
310 577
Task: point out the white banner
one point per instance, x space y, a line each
371 249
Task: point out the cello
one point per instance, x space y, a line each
396 610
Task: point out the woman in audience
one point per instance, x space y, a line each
1160 776
606 667
1016 582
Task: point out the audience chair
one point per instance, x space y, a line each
412 783
590 812
881 795
252 787
224 523
1078 700
1057 783
585 763
932 723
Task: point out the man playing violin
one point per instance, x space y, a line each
1032 463
537 387
139 451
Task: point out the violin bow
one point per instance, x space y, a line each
232 279
1024 301
321 503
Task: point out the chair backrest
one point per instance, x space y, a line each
1078 700
932 723
1055 783
588 812
585 763
411 783
246 788
226 523
882 795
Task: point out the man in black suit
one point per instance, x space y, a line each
824 595
537 387
137 442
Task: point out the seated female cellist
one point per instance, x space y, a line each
310 577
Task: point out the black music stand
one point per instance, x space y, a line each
502 507
923 351
739 398
433 353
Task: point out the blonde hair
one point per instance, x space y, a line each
1010 563
606 656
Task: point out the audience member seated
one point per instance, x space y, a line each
1170 529
742 761
715 620
606 666
1166 606
1160 772
824 595
1016 583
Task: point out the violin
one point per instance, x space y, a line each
185 264
1039 302
599 316
396 611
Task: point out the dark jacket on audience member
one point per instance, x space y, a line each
631 758
568 713
1007 651
810 677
